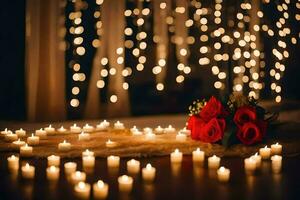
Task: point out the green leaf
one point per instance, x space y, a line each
229 137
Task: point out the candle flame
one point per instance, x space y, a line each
27 165
100 184
176 151
276 143
198 149
32 134
266 147
148 166
81 185
222 169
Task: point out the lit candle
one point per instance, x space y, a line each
110 144
185 131
62 130
53 160
169 129
147 130
100 190
150 136
125 183
78 176
101 127
52 173
13 162
64 146
26 150
82 190
135 131
28 171
214 162
119 126
198 155
276 148
223 174
41 133
265 152
5 132
88 161
148 173
133 166
49 129
88 128
75 129
257 159
19 143
20 132
276 163
87 153
176 156
181 137
250 164
113 161
159 130
84 136
105 123
70 167
10 137
33 140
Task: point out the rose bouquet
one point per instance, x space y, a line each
238 120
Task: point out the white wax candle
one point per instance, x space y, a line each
5 132
19 143
101 127
223 174
119 126
105 123
52 173
88 161
250 164
150 136
75 129
113 161
159 130
265 152
147 130
84 136
82 190
28 171
125 183
62 130
110 144
198 155
100 190
49 129
87 153
41 133
257 159
78 176
10 137
185 131
133 166
214 162
33 140
53 160
148 173
276 148
169 129
181 137
20 132
64 146
26 150
70 167
176 156
276 163
13 162
88 128
135 131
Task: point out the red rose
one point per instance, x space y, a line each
252 132
243 115
212 131
195 124
212 109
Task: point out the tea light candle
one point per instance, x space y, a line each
10 137
28 171
84 136
5 132
20 132
53 160
125 183
137 133
214 162
82 190
52 173
78 176
170 129
64 146
176 156
75 129
119 126
198 155
88 161
185 131
41 133
49 129
147 130
113 161
13 162
134 129
133 166
276 148
26 150
265 152
150 136
88 128
110 144
148 173
105 123
223 174
159 130
87 153
250 164
257 159
70 167
62 130
33 140
100 190
181 137
101 127
19 143
276 163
